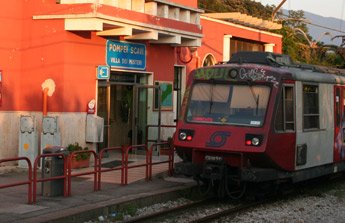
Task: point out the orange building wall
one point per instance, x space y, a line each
32 51
214 33
67 58
161 61
42 49
10 51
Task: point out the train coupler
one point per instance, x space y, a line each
213 170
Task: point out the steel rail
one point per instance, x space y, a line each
28 181
146 164
70 174
170 160
161 214
229 212
122 168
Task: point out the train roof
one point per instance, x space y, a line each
301 72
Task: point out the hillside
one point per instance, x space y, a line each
329 22
256 9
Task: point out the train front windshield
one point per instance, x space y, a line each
228 104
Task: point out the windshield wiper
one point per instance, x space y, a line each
256 98
211 99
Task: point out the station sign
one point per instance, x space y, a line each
126 55
103 72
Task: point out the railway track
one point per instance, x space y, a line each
212 210
189 208
160 214
228 212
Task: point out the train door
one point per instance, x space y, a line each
339 123
124 112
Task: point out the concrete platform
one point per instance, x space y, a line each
85 204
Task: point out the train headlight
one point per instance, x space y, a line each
253 140
183 136
233 73
186 135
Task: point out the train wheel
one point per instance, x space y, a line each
221 190
234 188
204 186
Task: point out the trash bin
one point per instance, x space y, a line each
51 167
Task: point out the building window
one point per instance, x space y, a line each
166 97
285 117
209 61
311 107
237 45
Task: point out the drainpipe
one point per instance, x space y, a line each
45 101
48 88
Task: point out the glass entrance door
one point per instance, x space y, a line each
115 106
142 115
123 108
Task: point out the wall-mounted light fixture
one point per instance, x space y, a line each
182 51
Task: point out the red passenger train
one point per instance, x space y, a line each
260 118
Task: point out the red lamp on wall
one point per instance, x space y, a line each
183 51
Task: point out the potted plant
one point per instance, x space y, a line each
79 160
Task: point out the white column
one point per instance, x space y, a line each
151 8
269 47
125 4
226 48
138 5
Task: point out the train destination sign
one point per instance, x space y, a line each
252 74
126 55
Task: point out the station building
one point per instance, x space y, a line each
98 72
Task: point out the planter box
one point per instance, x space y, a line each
77 164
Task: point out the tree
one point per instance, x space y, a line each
249 7
297 43
296 40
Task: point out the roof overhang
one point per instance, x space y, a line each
246 20
109 21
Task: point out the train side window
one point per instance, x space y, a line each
285 117
311 113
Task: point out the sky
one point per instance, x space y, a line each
326 8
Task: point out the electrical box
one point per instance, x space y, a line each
50 135
28 140
94 128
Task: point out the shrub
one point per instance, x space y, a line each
76 147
